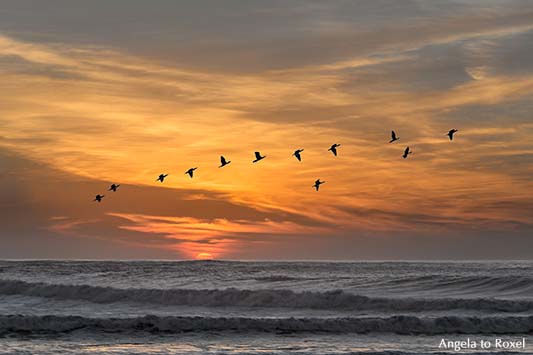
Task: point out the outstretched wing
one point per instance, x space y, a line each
257 155
298 156
393 135
223 160
334 150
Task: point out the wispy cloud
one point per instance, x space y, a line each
216 236
104 112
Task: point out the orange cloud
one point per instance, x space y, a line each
108 115
218 236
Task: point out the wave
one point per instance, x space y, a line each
274 298
408 325
506 283
277 278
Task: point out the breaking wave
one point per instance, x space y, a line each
255 298
481 283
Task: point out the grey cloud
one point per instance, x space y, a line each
237 36
19 66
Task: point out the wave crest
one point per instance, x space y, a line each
255 298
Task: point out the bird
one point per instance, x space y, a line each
406 152
113 187
190 171
98 198
161 177
258 157
393 137
333 148
297 154
451 132
223 162
317 184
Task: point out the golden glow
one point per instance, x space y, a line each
112 116
204 256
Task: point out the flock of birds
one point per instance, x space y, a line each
297 154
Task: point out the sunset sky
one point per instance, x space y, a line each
100 92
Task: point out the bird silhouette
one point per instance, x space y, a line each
393 137
98 198
258 157
297 154
406 152
190 171
333 148
318 183
223 161
113 187
451 132
161 177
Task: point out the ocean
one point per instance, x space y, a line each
223 307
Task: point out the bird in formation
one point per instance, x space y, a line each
333 148
451 132
318 183
190 171
393 137
258 157
161 177
223 162
406 152
297 154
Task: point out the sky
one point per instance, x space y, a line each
100 92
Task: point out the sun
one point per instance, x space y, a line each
204 256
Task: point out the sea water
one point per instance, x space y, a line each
222 307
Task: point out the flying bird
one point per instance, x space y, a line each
161 177
297 154
223 162
98 198
451 132
317 184
258 157
406 152
333 148
113 187
190 171
393 137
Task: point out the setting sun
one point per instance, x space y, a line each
204 256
